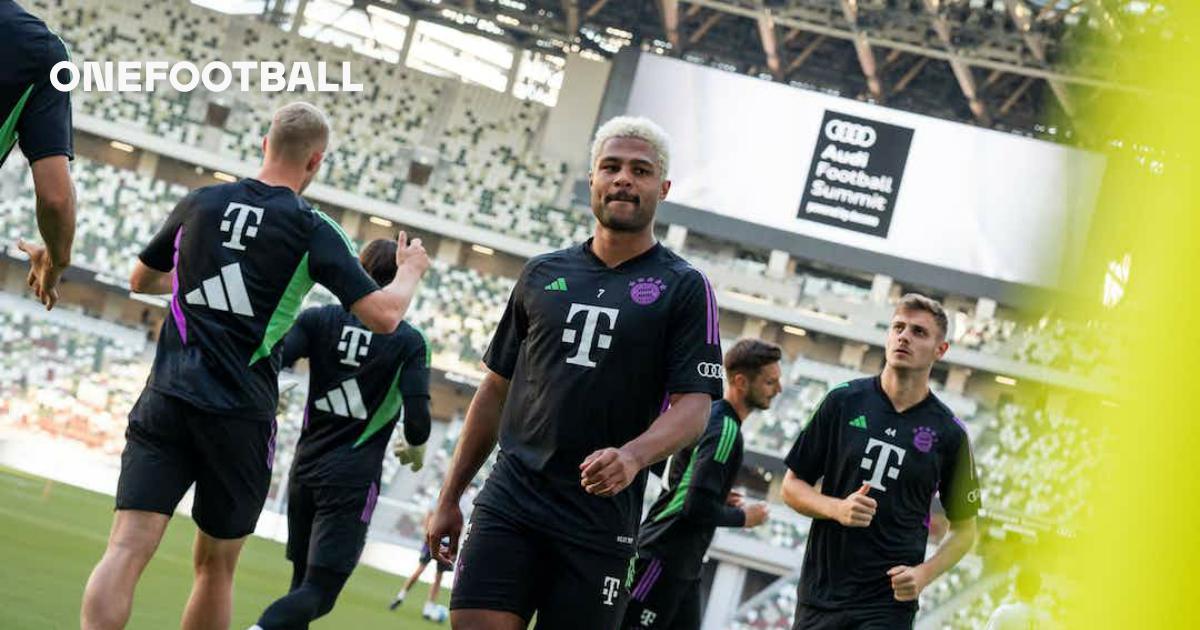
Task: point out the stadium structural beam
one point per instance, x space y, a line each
808 51
862 46
670 16
962 72
298 21
928 51
571 13
705 26
910 74
595 8
770 43
1016 94
1022 17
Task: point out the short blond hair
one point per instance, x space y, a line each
298 129
634 127
918 302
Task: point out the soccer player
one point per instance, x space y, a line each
441 567
359 383
38 116
881 447
680 525
605 361
237 259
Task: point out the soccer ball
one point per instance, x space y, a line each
436 613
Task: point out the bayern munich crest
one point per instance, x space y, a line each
646 291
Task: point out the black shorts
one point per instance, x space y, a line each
427 557
507 566
874 618
327 525
170 444
660 600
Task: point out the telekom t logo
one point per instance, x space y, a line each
355 343
582 355
241 221
611 589
879 466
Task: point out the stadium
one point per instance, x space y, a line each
827 158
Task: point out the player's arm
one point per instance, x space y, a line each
299 338
414 387
806 464
704 504
481 429
383 310
959 491
609 471
45 134
693 340
152 270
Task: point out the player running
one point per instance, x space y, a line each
237 260
680 525
359 384
38 117
881 447
432 609
596 340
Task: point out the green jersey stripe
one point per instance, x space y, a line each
681 489
286 311
392 405
338 228
8 132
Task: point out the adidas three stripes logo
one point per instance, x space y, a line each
225 291
344 400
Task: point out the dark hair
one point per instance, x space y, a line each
918 302
379 259
748 356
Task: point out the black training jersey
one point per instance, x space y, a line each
357 385
592 354
856 436
682 521
32 111
242 257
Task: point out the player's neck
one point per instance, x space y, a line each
905 388
613 247
738 403
274 175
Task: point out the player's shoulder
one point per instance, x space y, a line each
678 267
851 390
939 410
566 256
411 334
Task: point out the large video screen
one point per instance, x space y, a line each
944 193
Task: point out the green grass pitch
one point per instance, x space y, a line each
52 534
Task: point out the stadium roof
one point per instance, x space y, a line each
1028 66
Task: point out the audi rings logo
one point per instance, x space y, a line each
973 496
850 133
710 370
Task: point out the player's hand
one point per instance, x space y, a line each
856 510
756 513
735 499
608 471
412 254
43 273
411 456
907 582
445 522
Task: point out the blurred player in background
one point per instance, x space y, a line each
1021 614
606 361
881 448
432 609
696 500
38 117
360 384
237 259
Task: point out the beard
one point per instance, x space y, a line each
756 402
641 217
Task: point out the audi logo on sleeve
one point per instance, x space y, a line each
839 130
711 370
